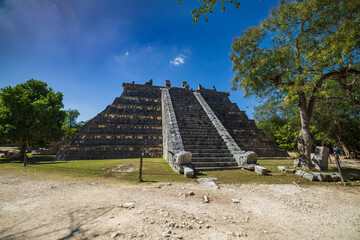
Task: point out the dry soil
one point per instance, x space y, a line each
35 208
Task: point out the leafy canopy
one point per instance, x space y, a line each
297 48
208 6
31 112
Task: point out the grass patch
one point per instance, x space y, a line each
158 170
154 169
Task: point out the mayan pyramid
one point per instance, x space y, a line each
155 121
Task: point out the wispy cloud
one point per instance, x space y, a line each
178 60
127 54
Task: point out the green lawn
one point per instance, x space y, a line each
155 170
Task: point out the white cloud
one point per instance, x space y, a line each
179 60
127 54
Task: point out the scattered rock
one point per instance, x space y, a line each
250 167
171 224
206 199
319 176
127 205
235 200
189 172
300 173
335 177
309 176
191 193
281 168
297 163
178 237
114 235
290 170
261 170
166 235
321 158
327 177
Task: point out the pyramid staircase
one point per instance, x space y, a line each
199 136
239 126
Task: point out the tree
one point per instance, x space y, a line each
71 116
208 6
337 119
293 52
30 113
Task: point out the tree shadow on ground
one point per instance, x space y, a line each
33 160
351 174
75 228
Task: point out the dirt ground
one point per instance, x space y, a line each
34 208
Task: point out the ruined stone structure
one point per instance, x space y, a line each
198 130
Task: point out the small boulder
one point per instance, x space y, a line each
290 170
189 172
127 205
309 176
300 173
281 168
250 167
261 170
183 158
319 176
335 177
327 177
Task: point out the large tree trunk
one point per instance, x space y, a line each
305 140
23 151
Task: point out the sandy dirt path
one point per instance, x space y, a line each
57 209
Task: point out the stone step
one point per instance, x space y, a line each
195 138
213 164
196 134
202 141
191 147
212 159
208 151
218 154
200 128
216 168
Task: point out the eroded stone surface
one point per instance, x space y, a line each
261 170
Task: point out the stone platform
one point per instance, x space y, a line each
202 126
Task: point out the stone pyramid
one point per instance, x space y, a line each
200 128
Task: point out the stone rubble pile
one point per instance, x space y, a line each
314 176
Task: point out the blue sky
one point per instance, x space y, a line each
86 49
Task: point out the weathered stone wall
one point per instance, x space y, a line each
128 128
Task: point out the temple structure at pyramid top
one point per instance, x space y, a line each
200 129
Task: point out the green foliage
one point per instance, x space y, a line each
30 113
70 124
208 6
290 51
71 116
286 137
